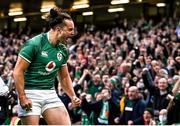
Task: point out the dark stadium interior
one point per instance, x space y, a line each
133 10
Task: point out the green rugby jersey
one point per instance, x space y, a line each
45 60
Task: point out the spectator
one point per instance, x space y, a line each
162 117
147 118
95 85
159 93
106 111
133 107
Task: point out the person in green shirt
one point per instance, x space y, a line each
95 85
40 60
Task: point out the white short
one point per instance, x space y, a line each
41 101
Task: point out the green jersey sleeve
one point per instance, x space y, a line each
28 51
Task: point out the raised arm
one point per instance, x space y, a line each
147 80
85 73
174 92
176 87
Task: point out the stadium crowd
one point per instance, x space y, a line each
126 75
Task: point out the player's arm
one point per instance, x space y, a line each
18 74
66 84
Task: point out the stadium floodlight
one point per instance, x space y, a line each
87 13
80 6
20 19
43 17
77 2
15 9
111 10
45 10
1 14
160 4
114 2
46 6
15 13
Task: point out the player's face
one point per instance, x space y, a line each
67 31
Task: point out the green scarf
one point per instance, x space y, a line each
104 115
85 119
7 121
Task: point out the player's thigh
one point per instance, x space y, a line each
57 116
30 120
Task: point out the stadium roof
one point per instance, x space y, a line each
100 11
33 7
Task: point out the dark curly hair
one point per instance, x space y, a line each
56 16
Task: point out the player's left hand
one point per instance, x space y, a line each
75 101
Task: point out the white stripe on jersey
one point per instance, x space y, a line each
64 64
24 58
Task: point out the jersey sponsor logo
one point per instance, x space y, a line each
44 53
50 66
59 56
43 73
